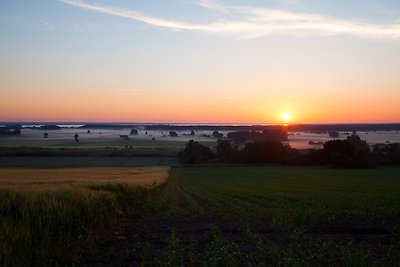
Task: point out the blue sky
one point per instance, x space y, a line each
259 57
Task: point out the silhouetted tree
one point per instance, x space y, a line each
350 153
386 153
195 152
173 134
217 134
362 149
339 160
270 133
276 133
45 135
338 146
334 134
76 137
241 137
265 152
224 150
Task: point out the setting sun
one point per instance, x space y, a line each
286 116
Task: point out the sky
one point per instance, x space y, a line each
200 61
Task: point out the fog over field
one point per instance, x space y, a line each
109 137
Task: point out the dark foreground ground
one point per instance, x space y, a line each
261 216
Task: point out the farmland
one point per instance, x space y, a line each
28 179
256 216
49 216
202 216
86 162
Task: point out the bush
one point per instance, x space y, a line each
265 152
195 152
339 160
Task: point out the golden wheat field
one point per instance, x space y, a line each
60 210
37 179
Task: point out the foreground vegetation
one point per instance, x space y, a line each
267 216
203 216
49 216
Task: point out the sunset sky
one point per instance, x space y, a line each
199 61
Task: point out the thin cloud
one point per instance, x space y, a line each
252 22
211 4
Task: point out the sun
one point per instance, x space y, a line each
285 116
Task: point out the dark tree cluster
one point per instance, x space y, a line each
386 154
334 134
10 130
276 133
271 133
253 152
217 134
47 127
195 152
241 137
173 134
265 152
353 152
225 151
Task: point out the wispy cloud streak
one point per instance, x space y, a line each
251 22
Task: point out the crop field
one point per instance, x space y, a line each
117 142
49 216
201 216
28 179
86 162
264 216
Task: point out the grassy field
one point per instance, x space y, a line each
173 145
202 216
86 162
267 216
49 216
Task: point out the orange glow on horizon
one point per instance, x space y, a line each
109 106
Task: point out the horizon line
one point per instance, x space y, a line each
191 123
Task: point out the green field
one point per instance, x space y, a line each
83 162
257 216
212 216
174 145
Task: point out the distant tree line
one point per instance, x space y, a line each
326 128
10 130
273 133
352 152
